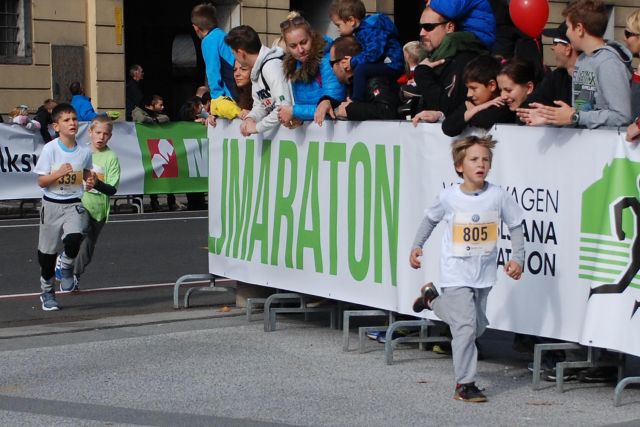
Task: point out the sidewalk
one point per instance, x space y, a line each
205 367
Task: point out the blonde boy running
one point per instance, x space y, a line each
471 211
106 172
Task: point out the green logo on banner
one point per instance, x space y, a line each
175 157
610 230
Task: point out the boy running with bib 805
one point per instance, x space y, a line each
471 212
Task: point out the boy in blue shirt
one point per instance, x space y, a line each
381 50
217 55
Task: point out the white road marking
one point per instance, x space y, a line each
116 288
117 221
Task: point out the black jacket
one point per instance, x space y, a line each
454 124
556 86
134 97
381 102
442 88
43 117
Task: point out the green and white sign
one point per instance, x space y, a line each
333 210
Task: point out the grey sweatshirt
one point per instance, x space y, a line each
601 91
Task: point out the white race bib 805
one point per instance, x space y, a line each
474 234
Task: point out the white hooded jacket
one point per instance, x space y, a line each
266 99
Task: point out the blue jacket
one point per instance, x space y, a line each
307 95
378 36
83 107
475 16
218 61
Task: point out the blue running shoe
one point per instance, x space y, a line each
58 271
49 302
68 282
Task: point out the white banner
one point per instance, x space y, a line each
133 144
333 211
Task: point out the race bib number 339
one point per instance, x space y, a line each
474 234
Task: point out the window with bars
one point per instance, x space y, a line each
15 31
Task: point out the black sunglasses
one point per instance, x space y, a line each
430 26
298 20
333 62
628 34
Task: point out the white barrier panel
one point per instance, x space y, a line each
332 212
153 158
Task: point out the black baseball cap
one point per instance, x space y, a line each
559 35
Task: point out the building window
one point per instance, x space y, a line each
15 31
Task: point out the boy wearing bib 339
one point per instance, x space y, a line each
471 211
61 168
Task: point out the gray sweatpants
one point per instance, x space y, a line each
463 309
88 246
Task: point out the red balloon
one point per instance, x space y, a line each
529 16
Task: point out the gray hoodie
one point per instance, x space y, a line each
268 69
601 91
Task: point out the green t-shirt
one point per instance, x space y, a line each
107 168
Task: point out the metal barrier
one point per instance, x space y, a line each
190 278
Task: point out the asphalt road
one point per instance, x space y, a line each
220 370
134 252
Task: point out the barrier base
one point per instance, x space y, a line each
423 338
617 394
348 314
190 278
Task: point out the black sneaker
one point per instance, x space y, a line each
469 393
568 374
427 294
603 374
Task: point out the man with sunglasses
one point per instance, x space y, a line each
438 78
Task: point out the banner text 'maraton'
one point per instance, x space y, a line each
298 206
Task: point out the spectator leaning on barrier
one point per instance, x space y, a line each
217 55
269 87
381 101
557 85
307 66
632 41
438 78
242 76
82 104
151 111
484 106
517 80
601 93
43 116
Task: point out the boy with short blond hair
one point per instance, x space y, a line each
61 168
472 212
106 172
